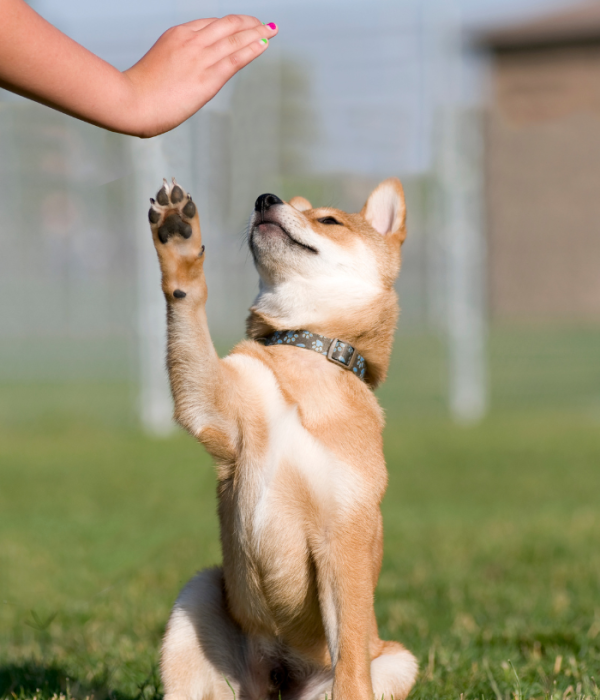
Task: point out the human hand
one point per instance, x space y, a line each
188 65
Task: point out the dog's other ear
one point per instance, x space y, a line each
300 203
385 209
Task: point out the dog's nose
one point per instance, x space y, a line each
265 201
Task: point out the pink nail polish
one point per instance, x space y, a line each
272 26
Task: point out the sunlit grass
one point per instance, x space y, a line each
491 573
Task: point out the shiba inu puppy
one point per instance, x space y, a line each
295 429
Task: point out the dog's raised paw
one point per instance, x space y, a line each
171 212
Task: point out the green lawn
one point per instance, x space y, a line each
492 533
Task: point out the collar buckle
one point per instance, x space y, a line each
350 364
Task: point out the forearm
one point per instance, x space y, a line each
41 63
184 69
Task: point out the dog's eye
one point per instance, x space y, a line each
329 220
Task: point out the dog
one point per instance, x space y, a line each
292 423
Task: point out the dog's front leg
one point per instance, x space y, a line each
199 380
345 574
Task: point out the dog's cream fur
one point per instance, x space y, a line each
297 442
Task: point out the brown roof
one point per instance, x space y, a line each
574 25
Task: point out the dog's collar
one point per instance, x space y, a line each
334 349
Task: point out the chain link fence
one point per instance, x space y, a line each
79 283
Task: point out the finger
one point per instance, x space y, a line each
229 45
198 24
228 66
225 26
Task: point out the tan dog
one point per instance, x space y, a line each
297 442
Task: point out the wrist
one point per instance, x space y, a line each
134 118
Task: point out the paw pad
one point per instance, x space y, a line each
189 210
153 215
174 224
170 210
176 194
162 197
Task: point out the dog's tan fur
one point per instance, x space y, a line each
301 473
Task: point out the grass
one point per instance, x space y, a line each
491 573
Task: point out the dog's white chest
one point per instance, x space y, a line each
297 468
292 472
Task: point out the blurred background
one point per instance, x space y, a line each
489 112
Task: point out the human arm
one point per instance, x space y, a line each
184 69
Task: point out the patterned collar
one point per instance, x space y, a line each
336 350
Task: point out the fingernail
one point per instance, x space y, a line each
265 41
272 26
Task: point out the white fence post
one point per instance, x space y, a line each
155 403
460 176
464 246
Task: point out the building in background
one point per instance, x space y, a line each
543 168
327 113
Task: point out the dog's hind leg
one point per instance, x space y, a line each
203 653
393 672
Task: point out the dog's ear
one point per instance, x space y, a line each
385 209
300 203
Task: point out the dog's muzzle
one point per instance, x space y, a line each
266 201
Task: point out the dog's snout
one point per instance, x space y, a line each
265 201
